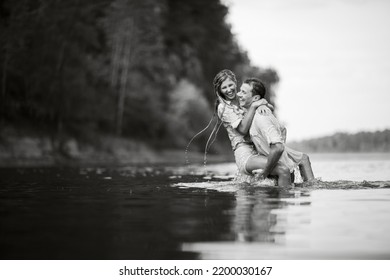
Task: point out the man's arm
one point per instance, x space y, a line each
276 151
265 127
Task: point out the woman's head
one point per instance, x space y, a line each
225 85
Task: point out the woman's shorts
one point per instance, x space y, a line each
242 154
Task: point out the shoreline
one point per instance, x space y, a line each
38 151
169 157
109 151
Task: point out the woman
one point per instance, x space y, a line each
237 125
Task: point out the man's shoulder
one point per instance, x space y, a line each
267 117
264 121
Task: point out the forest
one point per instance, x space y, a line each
79 72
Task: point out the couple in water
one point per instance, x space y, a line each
256 136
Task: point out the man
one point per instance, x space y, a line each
268 135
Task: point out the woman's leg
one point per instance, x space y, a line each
255 162
259 162
305 168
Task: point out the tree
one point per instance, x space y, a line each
74 68
134 38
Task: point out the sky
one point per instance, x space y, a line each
332 58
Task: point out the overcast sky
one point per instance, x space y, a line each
332 57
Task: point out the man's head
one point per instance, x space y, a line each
251 90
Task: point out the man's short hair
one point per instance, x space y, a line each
258 87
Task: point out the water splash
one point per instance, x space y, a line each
344 184
245 181
197 134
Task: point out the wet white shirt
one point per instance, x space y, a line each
231 116
266 130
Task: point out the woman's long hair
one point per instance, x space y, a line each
217 82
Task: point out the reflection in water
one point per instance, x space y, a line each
259 212
164 213
307 224
254 217
261 221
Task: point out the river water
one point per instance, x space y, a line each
196 212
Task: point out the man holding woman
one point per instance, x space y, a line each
267 136
238 121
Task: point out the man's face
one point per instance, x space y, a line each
245 95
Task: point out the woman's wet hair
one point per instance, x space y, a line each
222 76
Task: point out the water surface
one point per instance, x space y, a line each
192 212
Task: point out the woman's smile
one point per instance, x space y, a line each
230 94
228 89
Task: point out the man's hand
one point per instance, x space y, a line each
259 173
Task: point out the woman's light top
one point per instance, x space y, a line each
231 116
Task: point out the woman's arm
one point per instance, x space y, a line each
245 124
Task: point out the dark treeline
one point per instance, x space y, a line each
137 69
378 141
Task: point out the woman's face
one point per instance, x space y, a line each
228 89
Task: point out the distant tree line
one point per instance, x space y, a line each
139 69
378 141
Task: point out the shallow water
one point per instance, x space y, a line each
192 212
